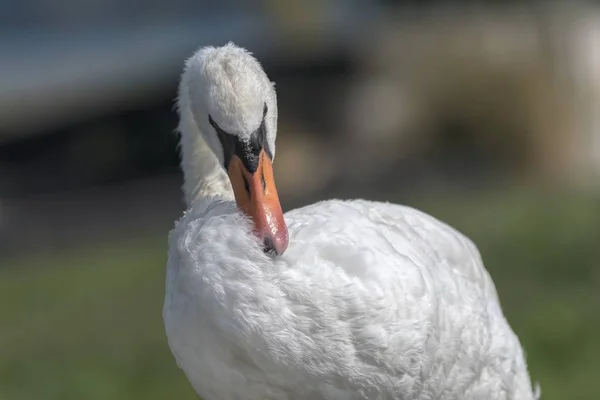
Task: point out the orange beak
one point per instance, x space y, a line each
256 195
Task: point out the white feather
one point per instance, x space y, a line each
370 300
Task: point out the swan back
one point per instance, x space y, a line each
399 306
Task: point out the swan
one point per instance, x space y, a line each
337 300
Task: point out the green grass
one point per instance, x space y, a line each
87 325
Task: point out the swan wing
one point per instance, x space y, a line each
342 230
371 300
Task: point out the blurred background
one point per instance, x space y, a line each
485 114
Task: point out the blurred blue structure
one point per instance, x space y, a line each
65 61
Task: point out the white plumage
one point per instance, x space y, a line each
369 301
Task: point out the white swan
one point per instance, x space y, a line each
369 301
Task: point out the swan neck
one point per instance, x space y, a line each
204 177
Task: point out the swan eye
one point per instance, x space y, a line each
228 142
263 133
248 150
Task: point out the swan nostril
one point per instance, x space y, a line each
269 246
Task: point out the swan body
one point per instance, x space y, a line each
366 300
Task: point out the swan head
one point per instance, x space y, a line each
234 105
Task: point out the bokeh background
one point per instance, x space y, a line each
485 114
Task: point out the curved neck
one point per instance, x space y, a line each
203 176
